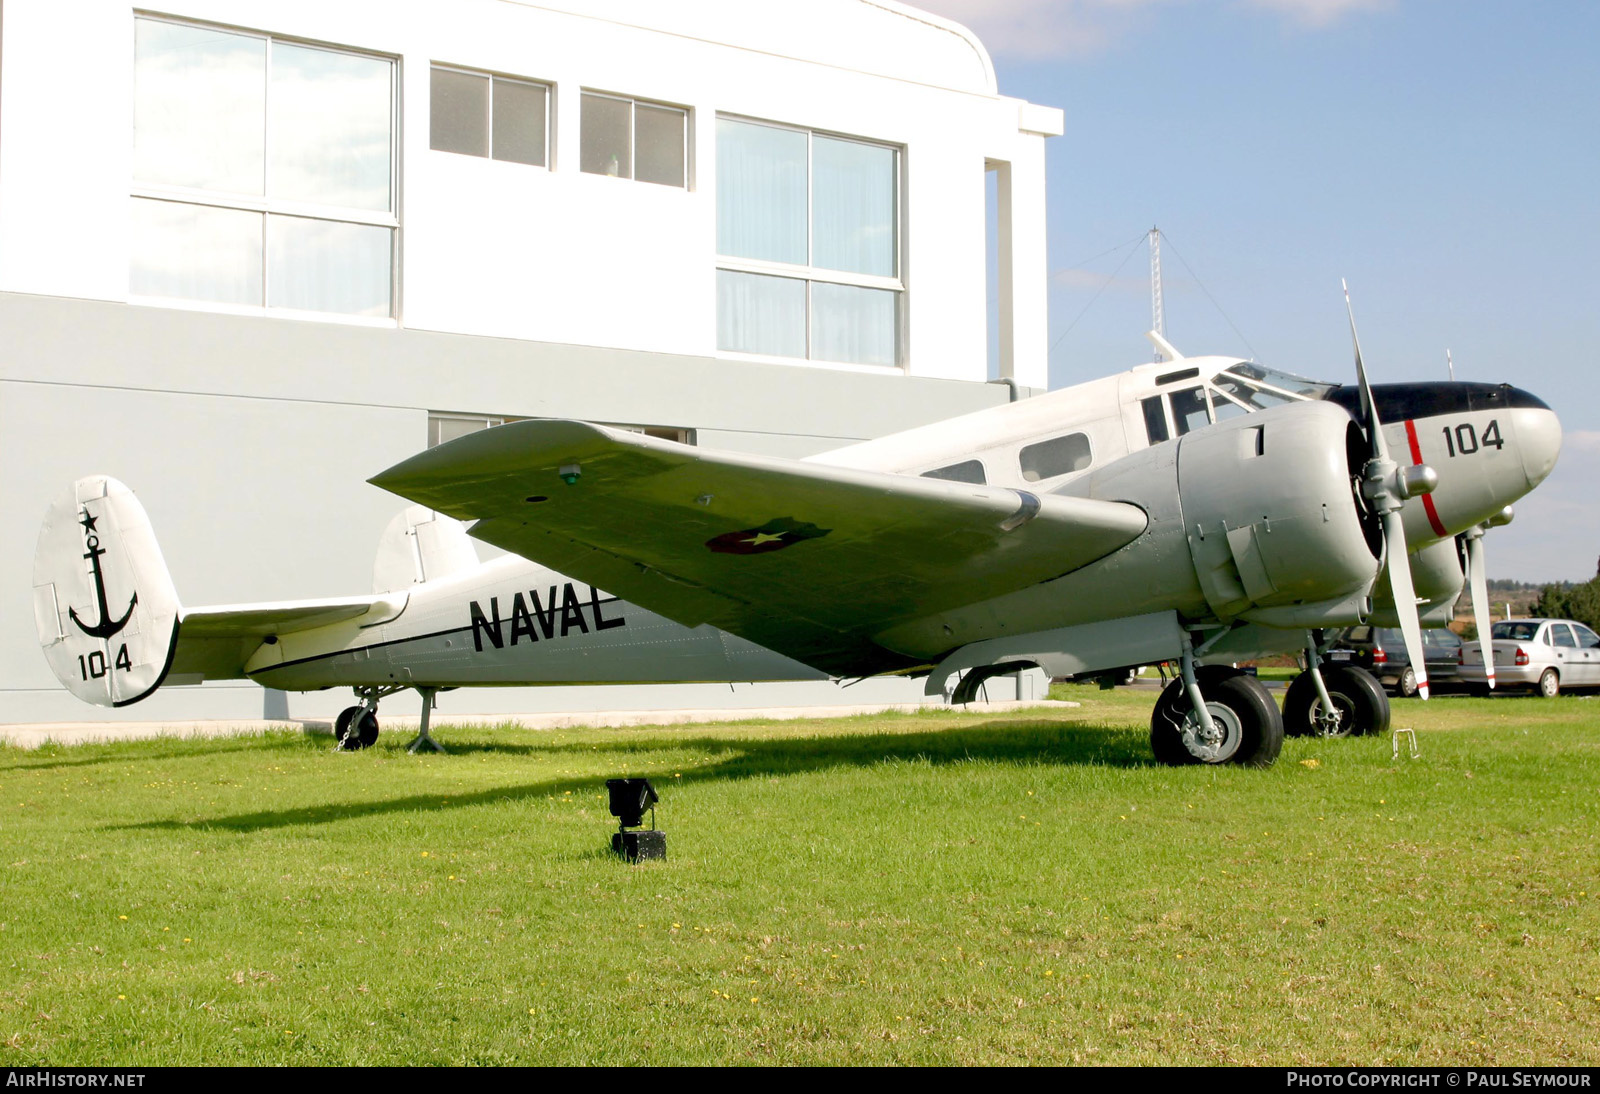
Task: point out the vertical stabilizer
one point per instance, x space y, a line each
421 545
103 602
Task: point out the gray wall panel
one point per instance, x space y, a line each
249 440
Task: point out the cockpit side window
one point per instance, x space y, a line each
965 471
1155 419
1189 409
1224 408
1252 397
1286 383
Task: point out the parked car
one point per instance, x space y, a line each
1543 654
1382 652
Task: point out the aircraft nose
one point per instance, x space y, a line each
1538 439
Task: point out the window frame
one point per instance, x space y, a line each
268 206
492 75
810 274
634 102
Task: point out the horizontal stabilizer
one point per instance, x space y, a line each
215 643
807 559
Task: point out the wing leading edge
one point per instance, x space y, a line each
806 559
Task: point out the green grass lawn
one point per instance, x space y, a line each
938 888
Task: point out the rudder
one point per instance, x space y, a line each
104 604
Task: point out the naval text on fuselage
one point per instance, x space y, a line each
533 617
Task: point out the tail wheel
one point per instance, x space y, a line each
355 728
341 724
1248 730
1360 705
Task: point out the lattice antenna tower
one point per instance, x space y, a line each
1158 319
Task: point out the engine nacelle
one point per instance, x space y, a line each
1272 520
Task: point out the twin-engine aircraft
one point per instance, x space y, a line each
1197 511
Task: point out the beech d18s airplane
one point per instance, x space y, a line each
1199 511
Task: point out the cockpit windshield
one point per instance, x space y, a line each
1270 381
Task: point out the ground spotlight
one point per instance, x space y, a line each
629 799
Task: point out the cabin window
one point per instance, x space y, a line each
1057 456
496 117
631 139
1189 409
965 471
808 245
263 171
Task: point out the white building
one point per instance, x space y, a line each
253 252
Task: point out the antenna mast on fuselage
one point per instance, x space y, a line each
1158 319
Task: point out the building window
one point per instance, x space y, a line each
263 172
497 117
630 139
808 245
443 426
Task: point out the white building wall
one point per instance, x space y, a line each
509 250
523 291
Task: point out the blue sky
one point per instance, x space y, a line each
1444 157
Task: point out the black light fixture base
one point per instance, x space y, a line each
641 845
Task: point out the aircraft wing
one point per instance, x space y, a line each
215 642
806 559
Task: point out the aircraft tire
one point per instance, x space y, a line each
356 728
341 724
1240 706
1354 691
364 730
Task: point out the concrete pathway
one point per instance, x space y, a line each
78 733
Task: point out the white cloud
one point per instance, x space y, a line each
1318 13
1041 29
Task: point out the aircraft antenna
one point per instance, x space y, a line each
1158 319
1448 360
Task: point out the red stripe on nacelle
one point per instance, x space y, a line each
1427 499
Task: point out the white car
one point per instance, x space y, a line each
1544 654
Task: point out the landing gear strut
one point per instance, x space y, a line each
422 740
357 727
1334 701
1215 715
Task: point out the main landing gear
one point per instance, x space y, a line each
357 727
1334 700
1215 714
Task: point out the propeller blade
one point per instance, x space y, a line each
1380 450
1478 577
1405 596
1387 490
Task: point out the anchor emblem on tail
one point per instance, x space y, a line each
107 627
